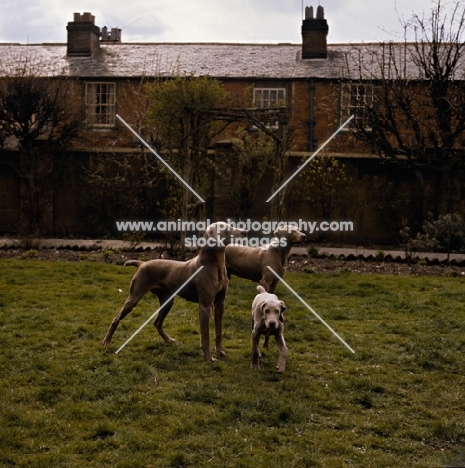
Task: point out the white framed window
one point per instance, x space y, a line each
101 104
269 97
266 98
357 100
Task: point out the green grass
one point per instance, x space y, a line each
68 402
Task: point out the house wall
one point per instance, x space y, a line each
319 98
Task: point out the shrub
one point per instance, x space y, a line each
445 234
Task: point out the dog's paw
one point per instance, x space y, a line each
255 367
168 339
280 368
209 358
220 353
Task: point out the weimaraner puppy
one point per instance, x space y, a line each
251 262
208 288
268 319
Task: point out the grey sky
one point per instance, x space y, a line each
37 21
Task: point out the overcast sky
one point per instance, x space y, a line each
36 21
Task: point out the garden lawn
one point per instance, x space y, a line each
66 401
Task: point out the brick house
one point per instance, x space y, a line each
310 79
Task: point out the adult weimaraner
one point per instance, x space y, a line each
208 288
268 319
251 262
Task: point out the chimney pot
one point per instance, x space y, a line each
308 13
112 35
87 16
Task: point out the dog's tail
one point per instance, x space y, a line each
136 263
260 289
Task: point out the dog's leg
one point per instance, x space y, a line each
204 319
266 342
279 337
158 322
219 312
269 282
255 364
129 304
272 286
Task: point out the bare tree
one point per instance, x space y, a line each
38 114
410 108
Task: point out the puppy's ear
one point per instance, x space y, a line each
262 309
283 308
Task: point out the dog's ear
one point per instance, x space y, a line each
214 230
262 309
210 231
283 308
277 233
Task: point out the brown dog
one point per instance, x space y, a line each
268 319
208 288
251 262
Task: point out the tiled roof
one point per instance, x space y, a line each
219 60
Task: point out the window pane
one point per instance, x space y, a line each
356 101
269 97
100 100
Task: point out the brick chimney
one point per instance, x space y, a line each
314 32
83 35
